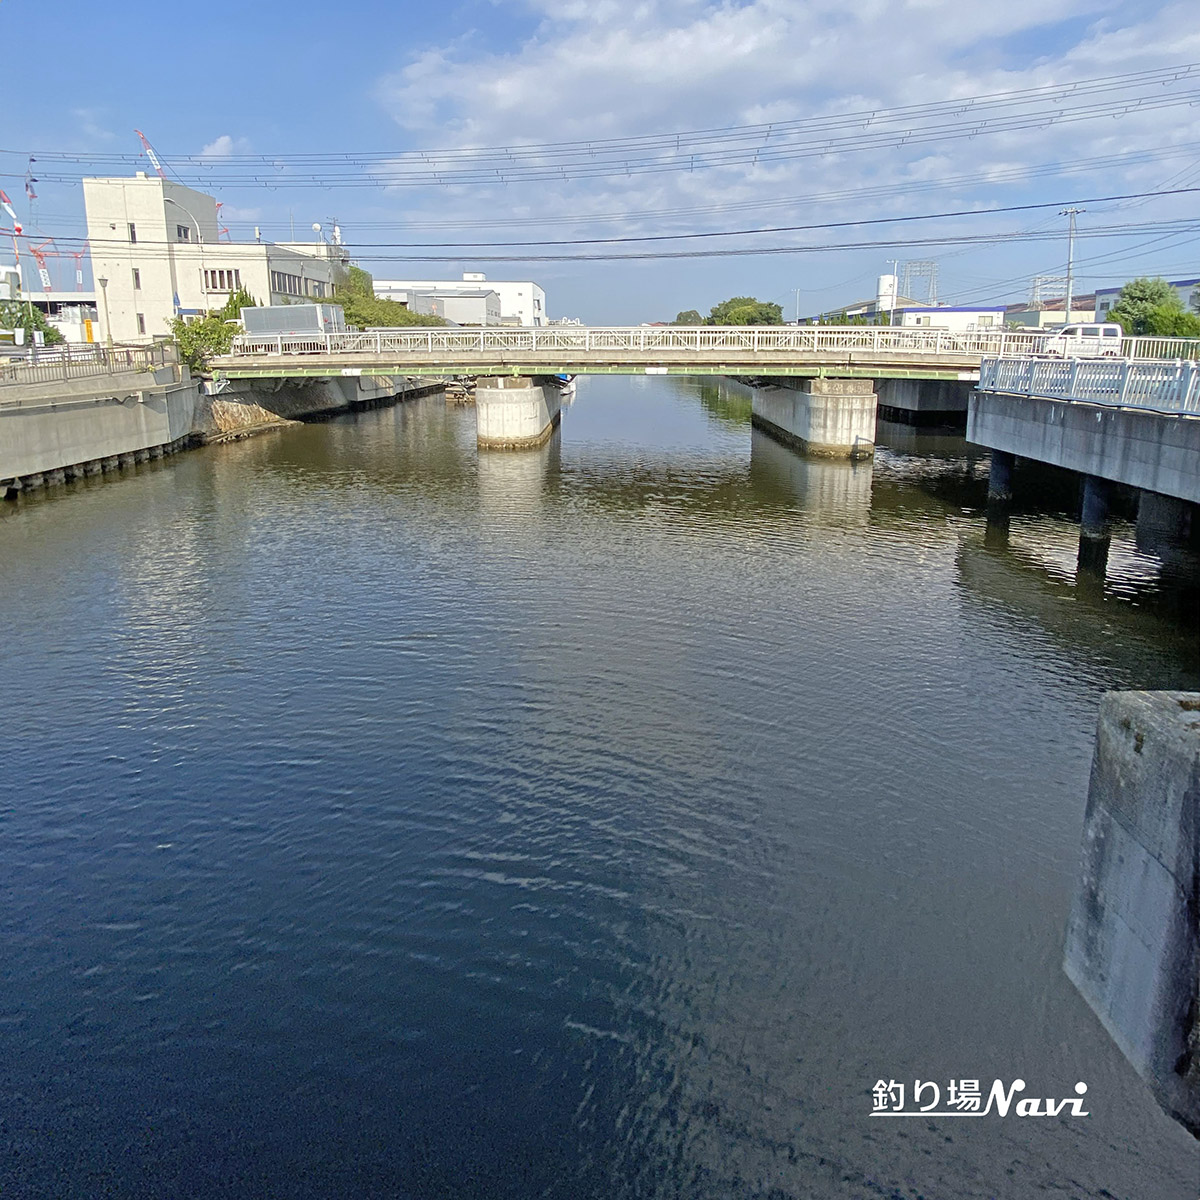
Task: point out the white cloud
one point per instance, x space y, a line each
605 70
89 124
224 146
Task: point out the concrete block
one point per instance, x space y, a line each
1133 939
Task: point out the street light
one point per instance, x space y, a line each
107 325
199 242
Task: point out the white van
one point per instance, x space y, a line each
1085 341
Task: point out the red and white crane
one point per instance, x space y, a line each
39 256
149 149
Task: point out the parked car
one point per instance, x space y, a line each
1085 341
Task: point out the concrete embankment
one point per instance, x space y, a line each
56 431
244 407
1133 941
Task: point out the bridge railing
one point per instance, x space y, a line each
52 363
1126 383
555 341
742 341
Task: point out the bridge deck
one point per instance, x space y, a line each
857 364
862 351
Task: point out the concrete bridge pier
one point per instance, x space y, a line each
1094 530
999 496
1133 940
516 412
1163 523
833 418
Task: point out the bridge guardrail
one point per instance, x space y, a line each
586 340
757 340
1152 384
82 362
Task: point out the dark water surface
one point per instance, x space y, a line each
382 818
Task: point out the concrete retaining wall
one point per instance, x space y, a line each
88 425
830 417
1155 452
1133 941
250 406
515 412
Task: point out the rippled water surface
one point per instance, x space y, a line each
385 818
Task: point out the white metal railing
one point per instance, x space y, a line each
80 362
742 341
1172 387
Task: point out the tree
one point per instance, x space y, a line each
745 310
1138 299
689 316
1166 320
356 294
213 333
15 315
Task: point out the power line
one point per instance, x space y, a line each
768 144
671 237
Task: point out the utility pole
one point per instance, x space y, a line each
1070 214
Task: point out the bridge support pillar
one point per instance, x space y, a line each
1133 943
999 496
1163 523
1094 530
834 418
515 412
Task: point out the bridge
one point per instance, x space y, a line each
1134 422
814 351
823 378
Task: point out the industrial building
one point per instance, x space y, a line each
521 303
1044 314
945 316
156 253
479 307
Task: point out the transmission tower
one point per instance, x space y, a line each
1047 286
922 268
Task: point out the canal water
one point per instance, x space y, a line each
385 818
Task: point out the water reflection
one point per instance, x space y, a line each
603 820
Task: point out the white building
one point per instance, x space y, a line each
480 307
958 320
155 252
521 303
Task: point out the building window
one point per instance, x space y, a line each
985 322
222 279
314 287
183 233
137 279
132 234
287 285
141 322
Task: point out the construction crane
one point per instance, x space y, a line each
39 257
6 204
78 256
149 149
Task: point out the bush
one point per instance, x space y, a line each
15 315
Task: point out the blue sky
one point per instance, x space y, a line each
281 79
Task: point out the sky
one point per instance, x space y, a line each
230 96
